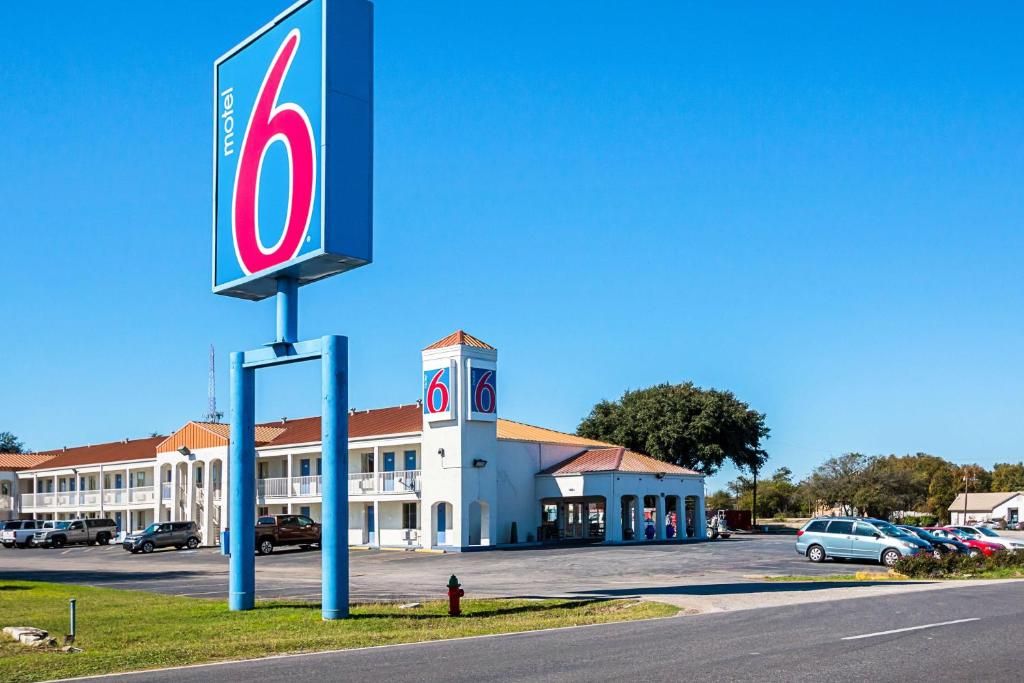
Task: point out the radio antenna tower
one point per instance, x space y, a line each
212 414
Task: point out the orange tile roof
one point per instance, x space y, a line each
615 459
518 431
11 462
362 423
459 338
115 451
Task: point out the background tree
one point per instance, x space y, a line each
835 482
776 495
9 443
684 425
719 500
1007 476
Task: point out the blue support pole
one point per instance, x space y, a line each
287 310
242 501
334 427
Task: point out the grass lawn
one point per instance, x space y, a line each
130 630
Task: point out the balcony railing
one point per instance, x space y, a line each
272 488
141 494
399 481
305 486
114 497
361 483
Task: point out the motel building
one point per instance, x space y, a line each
444 472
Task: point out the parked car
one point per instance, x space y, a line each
984 533
857 538
942 546
277 530
99 531
977 547
163 535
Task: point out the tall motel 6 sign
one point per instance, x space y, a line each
292 204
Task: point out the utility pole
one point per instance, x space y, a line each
753 511
968 476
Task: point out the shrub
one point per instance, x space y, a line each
924 566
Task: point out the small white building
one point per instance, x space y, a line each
445 472
982 507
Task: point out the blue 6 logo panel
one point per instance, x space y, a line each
437 393
293 150
483 395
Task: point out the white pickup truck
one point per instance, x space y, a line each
20 532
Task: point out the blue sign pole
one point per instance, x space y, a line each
287 310
334 435
242 501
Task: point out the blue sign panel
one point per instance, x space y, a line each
293 150
437 392
483 399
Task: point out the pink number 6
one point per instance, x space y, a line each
271 122
437 385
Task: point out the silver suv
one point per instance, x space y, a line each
856 538
162 535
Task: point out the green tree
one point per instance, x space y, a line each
684 425
719 500
775 495
835 482
1007 476
9 443
942 490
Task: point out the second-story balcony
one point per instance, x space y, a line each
359 483
399 481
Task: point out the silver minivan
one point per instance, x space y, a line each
856 538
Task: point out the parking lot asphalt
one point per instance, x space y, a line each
725 566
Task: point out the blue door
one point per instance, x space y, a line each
389 466
304 472
410 460
319 466
371 530
441 523
304 511
118 482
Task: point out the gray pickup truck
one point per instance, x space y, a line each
88 531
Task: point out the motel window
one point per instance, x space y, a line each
550 513
262 512
140 478
409 516
199 477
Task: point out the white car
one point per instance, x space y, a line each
985 534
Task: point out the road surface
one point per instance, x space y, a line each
970 633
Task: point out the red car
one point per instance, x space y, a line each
977 547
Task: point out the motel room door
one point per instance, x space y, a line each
389 466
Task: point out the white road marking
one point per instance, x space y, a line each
911 628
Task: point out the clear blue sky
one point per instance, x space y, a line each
818 209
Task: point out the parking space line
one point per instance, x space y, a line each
911 628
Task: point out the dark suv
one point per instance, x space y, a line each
276 530
163 535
